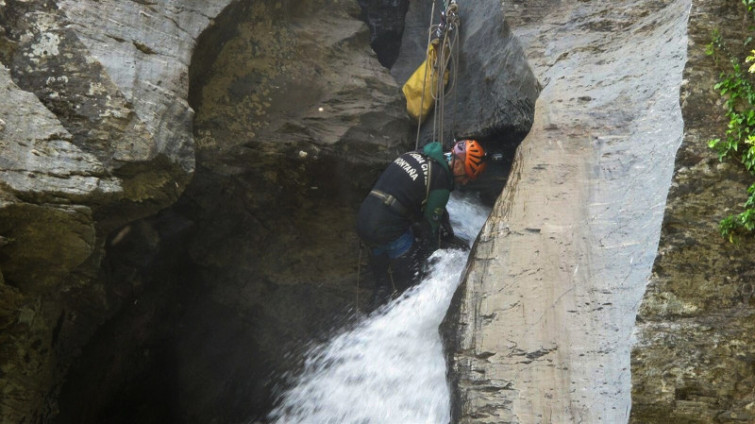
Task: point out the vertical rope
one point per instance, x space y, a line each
445 56
448 34
454 74
359 275
424 81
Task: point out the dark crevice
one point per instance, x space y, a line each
386 22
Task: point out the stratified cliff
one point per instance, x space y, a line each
541 330
96 133
693 361
593 230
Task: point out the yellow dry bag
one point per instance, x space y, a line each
421 88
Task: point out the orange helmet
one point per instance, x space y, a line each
473 155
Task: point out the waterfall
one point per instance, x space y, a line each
390 368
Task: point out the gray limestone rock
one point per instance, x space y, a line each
541 329
96 132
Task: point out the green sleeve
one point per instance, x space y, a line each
436 205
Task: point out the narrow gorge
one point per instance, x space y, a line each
179 181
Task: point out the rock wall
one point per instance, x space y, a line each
295 120
101 285
693 361
95 133
540 331
178 186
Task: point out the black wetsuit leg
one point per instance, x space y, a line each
383 289
406 269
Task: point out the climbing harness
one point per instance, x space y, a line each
429 84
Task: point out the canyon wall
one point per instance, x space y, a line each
179 182
179 179
541 329
693 357
96 133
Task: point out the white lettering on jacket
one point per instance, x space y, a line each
422 162
407 167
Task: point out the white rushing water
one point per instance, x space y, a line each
390 368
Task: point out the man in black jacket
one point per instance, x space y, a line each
404 216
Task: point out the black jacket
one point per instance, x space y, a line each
406 180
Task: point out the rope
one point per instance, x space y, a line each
424 80
359 275
449 38
390 277
446 56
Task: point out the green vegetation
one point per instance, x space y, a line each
750 5
737 88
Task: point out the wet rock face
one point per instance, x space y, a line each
146 250
294 118
540 331
89 142
693 359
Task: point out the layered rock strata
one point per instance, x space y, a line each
693 361
541 329
96 132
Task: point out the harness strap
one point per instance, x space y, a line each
392 202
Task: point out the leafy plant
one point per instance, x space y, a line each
750 5
716 43
736 87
